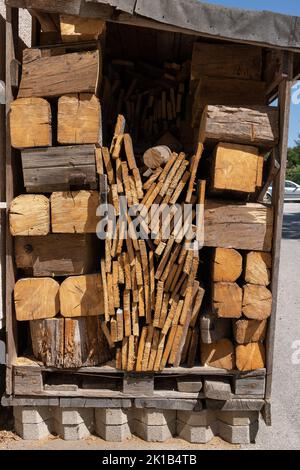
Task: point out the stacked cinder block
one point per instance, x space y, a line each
152 425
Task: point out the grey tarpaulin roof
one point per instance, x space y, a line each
260 27
231 23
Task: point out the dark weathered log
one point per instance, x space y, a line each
251 125
47 76
235 225
59 168
85 343
57 254
47 338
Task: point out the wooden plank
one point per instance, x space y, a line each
217 389
138 384
58 75
194 167
246 226
56 254
222 60
58 168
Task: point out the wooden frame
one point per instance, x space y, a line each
283 85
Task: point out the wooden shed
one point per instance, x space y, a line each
232 61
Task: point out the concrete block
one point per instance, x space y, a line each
112 416
238 418
113 433
33 431
197 434
197 418
74 416
74 432
151 433
32 414
238 434
155 417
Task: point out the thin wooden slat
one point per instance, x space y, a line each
141 349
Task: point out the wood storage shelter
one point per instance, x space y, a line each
157 32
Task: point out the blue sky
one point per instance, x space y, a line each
289 7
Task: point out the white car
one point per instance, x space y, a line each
291 191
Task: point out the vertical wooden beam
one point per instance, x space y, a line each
2 177
12 29
284 103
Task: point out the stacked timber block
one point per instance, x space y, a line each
142 294
120 424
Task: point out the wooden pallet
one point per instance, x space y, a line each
32 378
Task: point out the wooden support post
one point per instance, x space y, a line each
12 27
284 103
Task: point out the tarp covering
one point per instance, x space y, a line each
260 27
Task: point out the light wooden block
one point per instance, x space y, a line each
30 123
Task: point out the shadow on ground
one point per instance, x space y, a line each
291 225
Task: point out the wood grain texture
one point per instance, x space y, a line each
258 268
222 60
58 75
249 331
227 299
74 211
257 302
79 119
236 168
250 356
82 296
29 215
74 28
36 298
57 254
47 339
30 123
85 343
52 169
227 265
251 125
246 226
218 354
226 91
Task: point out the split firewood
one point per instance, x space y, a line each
250 356
258 268
227 299
227 265
257 302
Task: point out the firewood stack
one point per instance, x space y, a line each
142 294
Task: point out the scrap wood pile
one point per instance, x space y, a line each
151 295
138 300
154 99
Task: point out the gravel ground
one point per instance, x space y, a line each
285 430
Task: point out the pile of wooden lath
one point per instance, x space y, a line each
153 99
139 301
